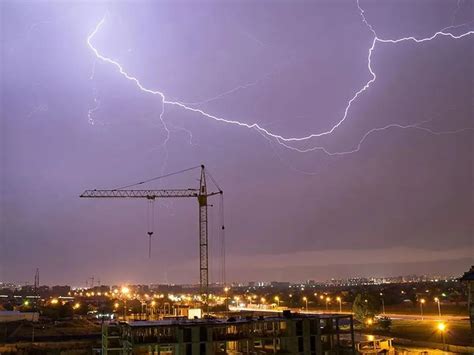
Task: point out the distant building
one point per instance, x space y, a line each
43 290
468 278
60 290
279 284
288 333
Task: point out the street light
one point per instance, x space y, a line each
439 305
422 302
277 299
328 299
226 289
125 291
442 329
153 304
383 303
306 301
340 304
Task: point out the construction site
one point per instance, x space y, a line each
198 330
285 333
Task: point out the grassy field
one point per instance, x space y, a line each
457 332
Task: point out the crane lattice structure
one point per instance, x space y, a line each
201 194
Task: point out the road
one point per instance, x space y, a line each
445 318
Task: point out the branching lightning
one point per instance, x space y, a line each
93 109
231 91
221 95
289 142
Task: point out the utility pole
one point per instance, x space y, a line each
36 288
383 303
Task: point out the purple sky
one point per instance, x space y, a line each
403 203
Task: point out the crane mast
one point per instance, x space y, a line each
203 236
201 194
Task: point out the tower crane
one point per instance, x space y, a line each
201 194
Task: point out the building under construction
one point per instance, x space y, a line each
286 333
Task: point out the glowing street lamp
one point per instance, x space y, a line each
277 299
340 304
383 303
263 300
306 301
328 299
54 301
439 305
153 304
226 290
442 329
422 302
125 292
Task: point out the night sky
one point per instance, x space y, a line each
401 203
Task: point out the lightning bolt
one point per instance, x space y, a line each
455 13
38 108
282 140
93 109
185 130
225 93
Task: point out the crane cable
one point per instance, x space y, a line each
221 212
222 229
150 223
208 173
156 178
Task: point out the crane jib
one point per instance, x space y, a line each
150 194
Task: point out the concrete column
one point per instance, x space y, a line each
319 346
306 337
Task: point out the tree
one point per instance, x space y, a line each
385 323
365 307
